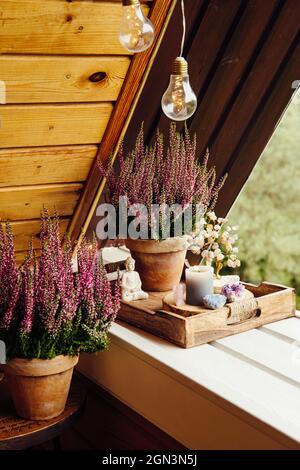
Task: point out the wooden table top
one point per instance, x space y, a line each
18 433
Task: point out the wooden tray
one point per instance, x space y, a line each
271 302
187 310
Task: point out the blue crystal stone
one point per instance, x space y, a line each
214 301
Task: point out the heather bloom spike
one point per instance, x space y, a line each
163 175
9 278
45 309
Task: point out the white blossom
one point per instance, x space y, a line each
211 215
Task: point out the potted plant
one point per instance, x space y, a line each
48 315
172 177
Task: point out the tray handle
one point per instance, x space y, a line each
242 310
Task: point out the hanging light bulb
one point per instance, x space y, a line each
136 31
179 102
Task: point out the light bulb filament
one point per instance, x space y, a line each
136 31
179 101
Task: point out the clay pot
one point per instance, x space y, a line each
40 387
159 263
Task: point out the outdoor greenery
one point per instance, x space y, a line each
268 208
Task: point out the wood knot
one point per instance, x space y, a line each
69 18
97 77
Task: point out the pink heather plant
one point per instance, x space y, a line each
160 175
45 309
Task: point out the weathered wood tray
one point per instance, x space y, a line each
271 302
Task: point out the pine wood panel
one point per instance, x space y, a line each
25 230
38 125
34 79
57 27
21 255
21 203
136 77
42 165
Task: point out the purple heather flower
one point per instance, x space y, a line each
156 175
46 293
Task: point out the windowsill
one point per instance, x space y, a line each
208 396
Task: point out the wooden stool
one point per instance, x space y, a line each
17 433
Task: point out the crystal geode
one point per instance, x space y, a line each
233 291
214 301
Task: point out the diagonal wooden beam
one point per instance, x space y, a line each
264 123
135 80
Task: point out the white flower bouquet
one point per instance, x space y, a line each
215 241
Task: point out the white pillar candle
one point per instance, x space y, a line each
199 283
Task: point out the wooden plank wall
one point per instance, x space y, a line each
109 424
63 69
243 57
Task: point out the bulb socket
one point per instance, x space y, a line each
128 3
180 66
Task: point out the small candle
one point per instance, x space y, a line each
199 283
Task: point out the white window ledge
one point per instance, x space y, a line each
241 392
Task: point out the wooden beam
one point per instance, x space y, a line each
26 202
273 52
39 79
42 165
263 126
235 51
60 27
210 24
231 67
136 77
65 124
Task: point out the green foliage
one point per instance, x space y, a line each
267 210
75 337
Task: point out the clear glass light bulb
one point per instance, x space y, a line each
136 31
179 102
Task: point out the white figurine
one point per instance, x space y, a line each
131 283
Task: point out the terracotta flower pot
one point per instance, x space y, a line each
159 263
40 387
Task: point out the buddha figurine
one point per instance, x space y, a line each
131 283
